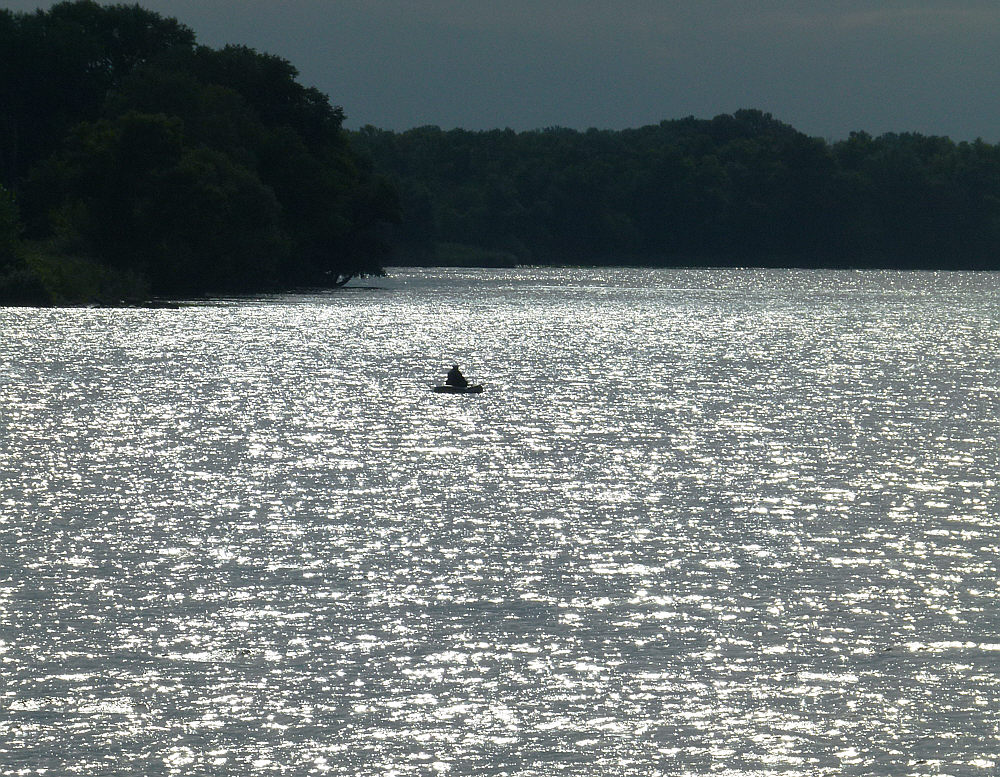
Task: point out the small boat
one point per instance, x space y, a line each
476 389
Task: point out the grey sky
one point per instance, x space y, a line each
826 67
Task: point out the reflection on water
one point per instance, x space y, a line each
714 522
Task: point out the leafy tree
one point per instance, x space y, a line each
8 227
58 66
247 106
741 188
200 170
129 192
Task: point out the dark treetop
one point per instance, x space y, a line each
144 163
737 189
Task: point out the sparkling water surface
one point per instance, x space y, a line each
718 522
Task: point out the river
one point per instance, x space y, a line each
727 522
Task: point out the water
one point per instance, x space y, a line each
700 522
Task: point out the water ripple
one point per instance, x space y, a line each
724 522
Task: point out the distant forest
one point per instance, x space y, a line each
136 163
741 189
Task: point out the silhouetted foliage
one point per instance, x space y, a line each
18 284
59 65
9 227
142 162
198 170
740 189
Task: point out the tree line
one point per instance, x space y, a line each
135 162
740 189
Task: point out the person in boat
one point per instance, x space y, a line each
456 378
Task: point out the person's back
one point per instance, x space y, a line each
456 378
